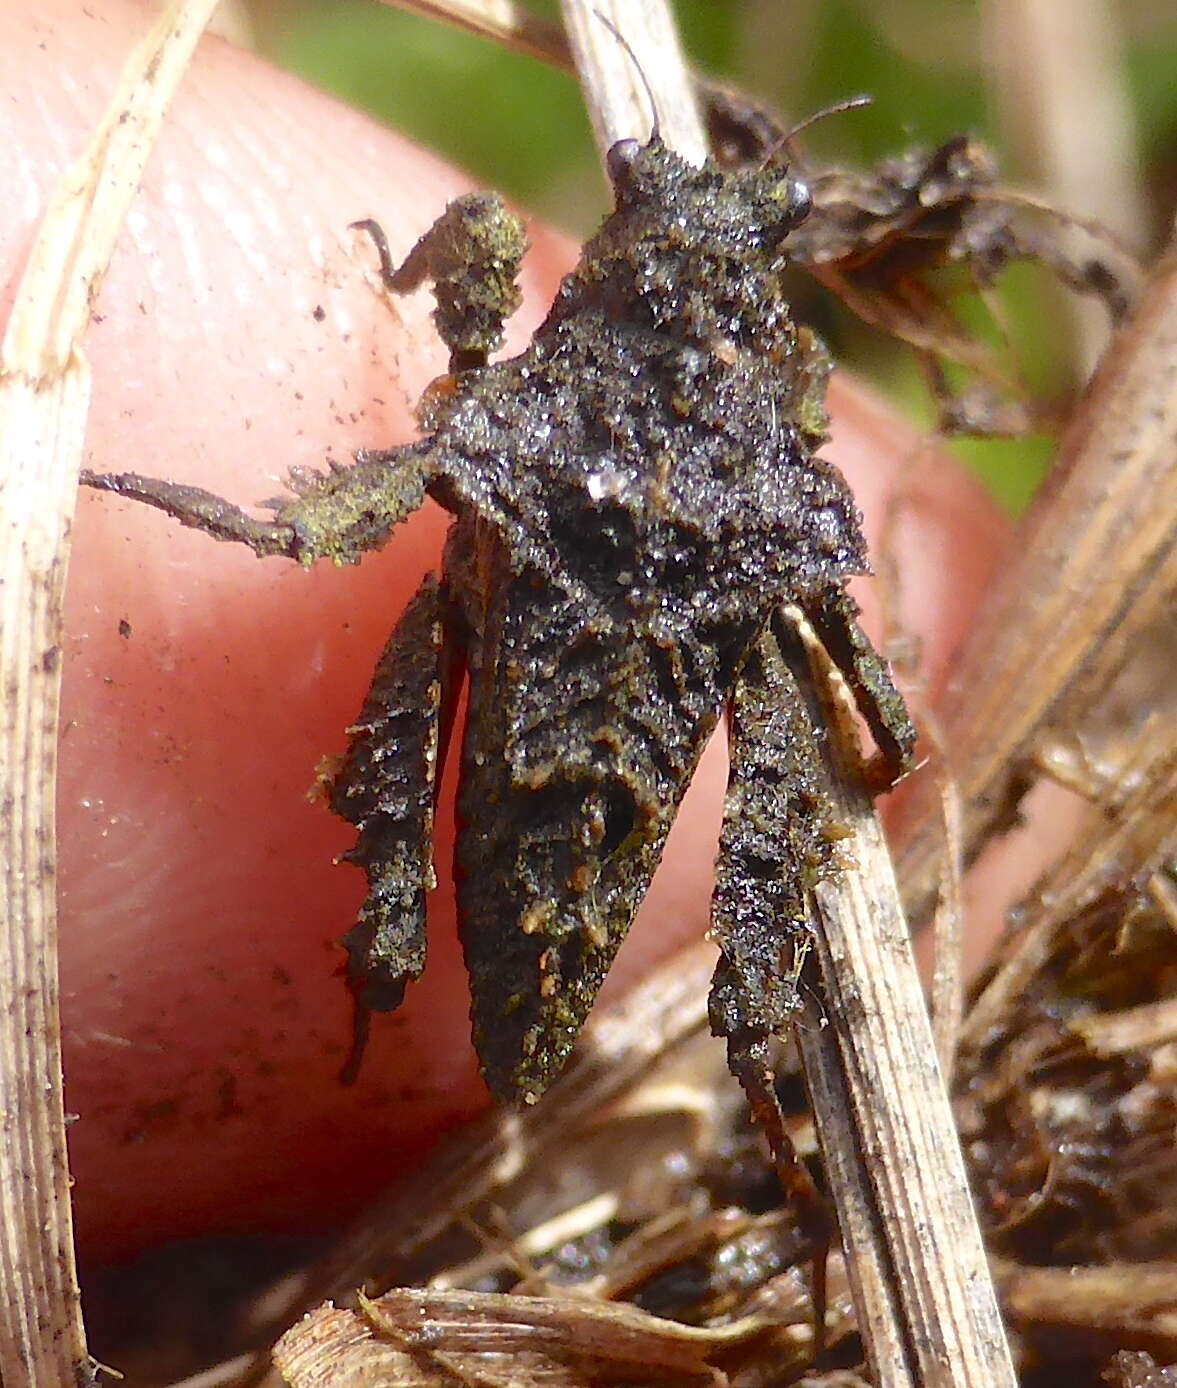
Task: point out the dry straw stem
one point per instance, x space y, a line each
1093 566
44 397
1059 69
1058 74
926 1308
615 91
422 1338
619 85
1133 1029
1131 843
1114 1305
512 25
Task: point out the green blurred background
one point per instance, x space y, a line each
933 67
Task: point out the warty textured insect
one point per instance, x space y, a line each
635 499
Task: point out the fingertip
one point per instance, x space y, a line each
238 335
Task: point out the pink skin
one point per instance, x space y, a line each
238 335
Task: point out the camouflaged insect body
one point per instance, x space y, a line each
634 496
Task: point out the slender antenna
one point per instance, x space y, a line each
851 103
655 131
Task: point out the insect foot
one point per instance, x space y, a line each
634 496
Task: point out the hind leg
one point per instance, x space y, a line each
774 846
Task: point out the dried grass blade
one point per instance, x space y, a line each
514 26
1058 72
913 1245
44 397
1119 1303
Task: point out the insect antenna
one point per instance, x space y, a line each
851 103
647 86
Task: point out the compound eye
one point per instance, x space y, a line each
620 160
800 201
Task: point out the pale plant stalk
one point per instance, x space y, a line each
513 25
627 53
1056 71
924 1298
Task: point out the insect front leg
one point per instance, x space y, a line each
386 788
834 617
336 515
774 846
472 254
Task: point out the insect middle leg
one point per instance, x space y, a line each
386 787
339 515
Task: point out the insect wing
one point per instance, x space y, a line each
583 733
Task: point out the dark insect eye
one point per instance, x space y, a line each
800 201
620 160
